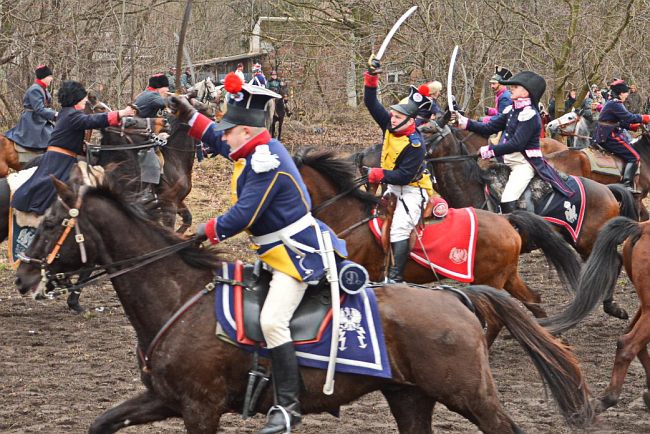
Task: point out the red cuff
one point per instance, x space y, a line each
113 119
370 80
376 175
634 127
201 124
645 119
211 231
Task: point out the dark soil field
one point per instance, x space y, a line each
59 371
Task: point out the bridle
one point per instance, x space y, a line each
562 126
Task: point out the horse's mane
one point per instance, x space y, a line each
339 171
195 256
642 146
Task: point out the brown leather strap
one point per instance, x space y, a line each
60 150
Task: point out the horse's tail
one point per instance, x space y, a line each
554 361
533 228
598 277
626 201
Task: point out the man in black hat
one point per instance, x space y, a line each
612 121
502 97
151 101
402 165
36 123
37 193
519 144
272 204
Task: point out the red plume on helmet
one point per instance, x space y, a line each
232 83
424 90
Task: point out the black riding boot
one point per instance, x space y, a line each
286 378
401 252
508 207
629 172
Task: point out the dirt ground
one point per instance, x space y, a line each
59 371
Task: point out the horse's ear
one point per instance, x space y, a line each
65 193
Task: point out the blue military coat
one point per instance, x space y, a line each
149 103
37 120
521 130
613 117
268 195
38 193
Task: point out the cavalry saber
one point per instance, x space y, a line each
181 43
333 278
450 79
392 32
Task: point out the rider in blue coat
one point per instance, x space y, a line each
37 193
271 203
613 119
151 101
37 120
519 144
258 76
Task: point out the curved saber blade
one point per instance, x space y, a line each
450 78
468 91
390 34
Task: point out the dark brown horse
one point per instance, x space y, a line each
598 279
498 245
197 377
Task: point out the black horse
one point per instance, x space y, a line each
281 110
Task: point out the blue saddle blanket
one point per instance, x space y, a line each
566 212
361 350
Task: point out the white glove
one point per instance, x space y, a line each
459 120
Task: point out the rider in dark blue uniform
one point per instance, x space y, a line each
609 134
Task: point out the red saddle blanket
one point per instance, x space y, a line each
448 246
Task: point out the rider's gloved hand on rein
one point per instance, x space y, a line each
181 108
486 152
374 66
200 232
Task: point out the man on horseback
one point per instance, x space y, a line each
151 102
37 120
402 165
67 142
519 144
271 203
612 121
258 76
429 111
275 84
502 97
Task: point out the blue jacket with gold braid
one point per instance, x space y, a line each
402 156
270 201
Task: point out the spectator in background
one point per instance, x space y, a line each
502 96
240 72
171 78
633 101
258 76
186 79
551 108
570 101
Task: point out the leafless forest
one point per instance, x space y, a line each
321 47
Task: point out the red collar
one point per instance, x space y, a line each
41 83
246 149
407 132
152 89
500 91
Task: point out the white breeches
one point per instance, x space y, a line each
404 221
521 174
285 294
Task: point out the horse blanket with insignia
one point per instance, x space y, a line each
448 246
361 350
563 211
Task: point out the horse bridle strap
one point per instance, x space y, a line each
355 184
69 224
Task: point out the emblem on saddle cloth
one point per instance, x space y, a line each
458 256
570 212
351 322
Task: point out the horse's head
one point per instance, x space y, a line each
565 124
65 240
94 105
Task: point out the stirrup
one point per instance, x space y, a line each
285 413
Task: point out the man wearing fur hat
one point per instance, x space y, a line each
37 193
151 102
519 144
402 165
502 97
271 202
37 120
612 121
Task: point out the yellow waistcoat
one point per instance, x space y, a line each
391 150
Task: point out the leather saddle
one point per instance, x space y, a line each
308 320
604 162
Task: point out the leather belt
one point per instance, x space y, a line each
60 150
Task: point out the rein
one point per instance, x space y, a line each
569 134
355 184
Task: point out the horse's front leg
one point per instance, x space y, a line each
144 408
186 217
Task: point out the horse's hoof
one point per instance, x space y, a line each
537 310
613 309
603 403
76 308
